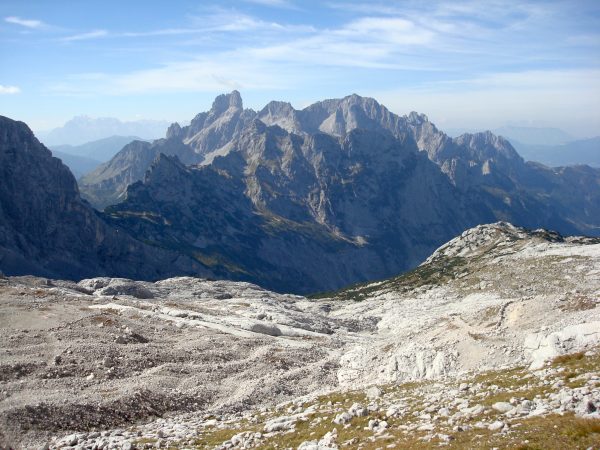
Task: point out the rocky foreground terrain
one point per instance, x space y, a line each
492 342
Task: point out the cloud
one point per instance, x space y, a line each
226 20
218 21
273 3
28 23
84 36
9 90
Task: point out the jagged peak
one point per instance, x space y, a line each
277 105
165 162
489 145
224 102
174 130
332 104
417 118
481 137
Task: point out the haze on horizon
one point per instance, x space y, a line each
528 63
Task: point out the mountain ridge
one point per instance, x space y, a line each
47 229
340 192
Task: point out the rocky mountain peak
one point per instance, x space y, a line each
224 102
46 228
282 114
17 136
174 130
415 118
488 145
165 169
277 108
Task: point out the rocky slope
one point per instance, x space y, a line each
342 176
107 184
299 213
207 135
485 168
457 350
46 228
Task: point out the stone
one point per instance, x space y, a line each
502 407
496 426
357 410
342 418
374 393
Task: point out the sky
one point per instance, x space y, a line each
466 64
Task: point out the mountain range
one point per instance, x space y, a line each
85 158
315 199
581 151
82 129
100 150
552 147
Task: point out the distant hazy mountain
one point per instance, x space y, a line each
534 135
79 165
101 150
82 129
585 151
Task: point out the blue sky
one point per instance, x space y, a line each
471 64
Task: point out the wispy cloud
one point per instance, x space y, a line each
27 23
231 20
199 75
369 42
273 3
85 36
6 90
218 21
441 50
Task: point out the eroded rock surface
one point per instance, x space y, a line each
113 361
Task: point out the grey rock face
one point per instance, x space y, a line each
108 183
339 192
45 227
210 131
485 168
285 192
206 136
299 213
